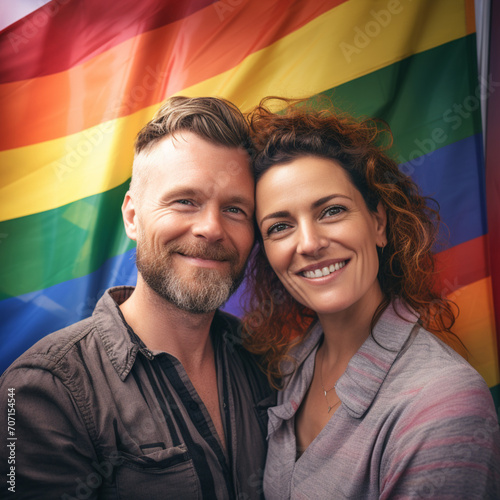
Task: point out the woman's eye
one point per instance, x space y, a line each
332 211
277 228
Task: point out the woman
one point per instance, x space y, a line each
373 405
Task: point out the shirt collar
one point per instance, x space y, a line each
122 344
366 370
115 334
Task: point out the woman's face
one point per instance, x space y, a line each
319 236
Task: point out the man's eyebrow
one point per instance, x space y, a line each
182 192
241 200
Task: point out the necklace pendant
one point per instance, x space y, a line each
324 392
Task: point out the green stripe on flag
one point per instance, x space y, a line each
47 248
429 100
425 113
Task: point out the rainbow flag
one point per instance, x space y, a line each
79 79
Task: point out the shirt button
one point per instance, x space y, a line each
148 354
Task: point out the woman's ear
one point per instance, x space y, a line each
129 217
380 218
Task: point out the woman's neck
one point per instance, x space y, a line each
346 331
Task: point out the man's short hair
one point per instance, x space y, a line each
213 119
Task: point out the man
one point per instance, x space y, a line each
153 396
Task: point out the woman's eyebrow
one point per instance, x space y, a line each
326 199
275 215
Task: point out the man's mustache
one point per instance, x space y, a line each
211 251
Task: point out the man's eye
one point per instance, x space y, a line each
277 228
235 210
183 202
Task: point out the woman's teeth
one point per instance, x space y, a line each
325 271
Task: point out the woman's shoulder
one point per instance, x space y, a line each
430 352
427 366
433 391
442 424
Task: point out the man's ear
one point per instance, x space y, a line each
129 217
380 217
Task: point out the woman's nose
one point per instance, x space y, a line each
311 241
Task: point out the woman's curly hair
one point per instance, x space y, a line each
274 320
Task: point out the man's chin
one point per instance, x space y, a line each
199 294
197 290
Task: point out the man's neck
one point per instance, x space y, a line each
164 327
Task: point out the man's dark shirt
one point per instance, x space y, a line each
98 415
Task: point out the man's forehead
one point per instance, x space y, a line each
214 173
224 171
186 146
225 189
188 162
191 141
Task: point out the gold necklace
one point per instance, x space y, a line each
326 391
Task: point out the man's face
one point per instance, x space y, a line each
194 226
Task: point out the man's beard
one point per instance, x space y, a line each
202 292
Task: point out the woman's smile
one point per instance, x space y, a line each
322 269
318 234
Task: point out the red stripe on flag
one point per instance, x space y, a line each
144 71
493 161
61 34
462 264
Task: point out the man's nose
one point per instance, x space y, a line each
209 225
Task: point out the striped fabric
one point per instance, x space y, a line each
415 421
122 406
79 79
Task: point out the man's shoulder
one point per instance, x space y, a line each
91 337
48 352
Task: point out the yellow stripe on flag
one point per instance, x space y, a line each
347 42
350 41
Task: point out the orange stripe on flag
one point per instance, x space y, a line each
145 69
470 16
476 328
